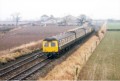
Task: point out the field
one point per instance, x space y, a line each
114 25
104 64
5 29
23 35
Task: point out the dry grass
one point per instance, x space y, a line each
71 67
102 30
13 53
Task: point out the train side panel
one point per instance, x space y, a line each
80 33
63 43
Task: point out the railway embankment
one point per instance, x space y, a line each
13 53
70 68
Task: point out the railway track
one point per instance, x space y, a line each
17 64
23 74
22 58
13 67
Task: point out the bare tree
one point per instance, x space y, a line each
81 19
67 19
16 17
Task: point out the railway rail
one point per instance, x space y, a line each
18 64
23 74
11 68
22 58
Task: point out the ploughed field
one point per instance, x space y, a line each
23 35
104 63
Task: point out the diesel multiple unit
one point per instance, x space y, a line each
56 44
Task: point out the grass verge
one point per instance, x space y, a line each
12 54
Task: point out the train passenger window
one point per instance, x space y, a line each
60 42
66 39
52 44
70 38
46 44
63 41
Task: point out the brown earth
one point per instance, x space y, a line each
25 35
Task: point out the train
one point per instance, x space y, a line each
55 45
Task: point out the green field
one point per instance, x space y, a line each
104 63
114 25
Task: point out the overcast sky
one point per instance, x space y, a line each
33 9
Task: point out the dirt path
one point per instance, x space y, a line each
104 64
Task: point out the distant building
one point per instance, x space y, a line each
68 20
46 21
7 23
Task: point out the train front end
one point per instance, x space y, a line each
50 46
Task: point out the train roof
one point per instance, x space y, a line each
76 28
81 27
49 39
63 35
59 36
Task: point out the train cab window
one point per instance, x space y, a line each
52 44
62 41
46 44
66 39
